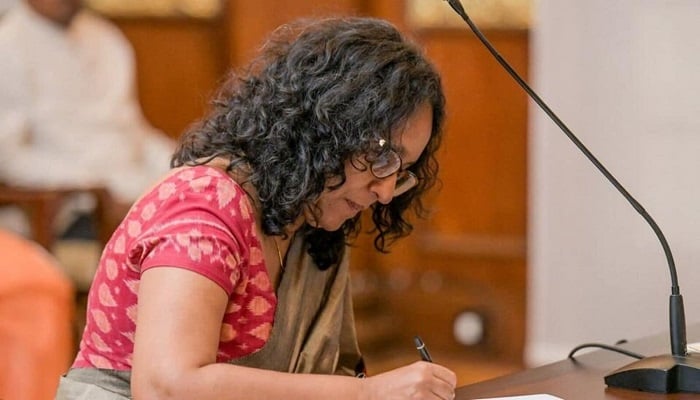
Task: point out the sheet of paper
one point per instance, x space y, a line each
526 397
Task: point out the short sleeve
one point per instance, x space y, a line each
203 224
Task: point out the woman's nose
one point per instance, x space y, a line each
384 188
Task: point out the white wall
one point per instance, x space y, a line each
624 75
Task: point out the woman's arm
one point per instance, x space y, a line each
177 336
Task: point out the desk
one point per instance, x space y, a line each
581 379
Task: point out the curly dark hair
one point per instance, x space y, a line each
321 92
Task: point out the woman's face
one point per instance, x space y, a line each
361 188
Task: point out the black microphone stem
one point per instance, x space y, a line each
677 315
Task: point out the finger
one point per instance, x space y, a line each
443 389
448 394
445 375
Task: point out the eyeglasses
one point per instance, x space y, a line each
388 162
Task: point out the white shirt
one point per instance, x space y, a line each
69 114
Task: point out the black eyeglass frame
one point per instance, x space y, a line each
388 162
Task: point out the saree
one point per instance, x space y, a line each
313 332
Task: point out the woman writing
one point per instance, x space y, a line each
229 278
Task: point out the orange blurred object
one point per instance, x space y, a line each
36 314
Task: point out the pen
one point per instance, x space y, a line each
424 355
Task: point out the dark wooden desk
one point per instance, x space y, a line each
581 379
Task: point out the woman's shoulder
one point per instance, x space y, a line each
198 189
202 178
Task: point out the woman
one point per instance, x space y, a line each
232 272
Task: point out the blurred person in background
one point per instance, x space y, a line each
69 113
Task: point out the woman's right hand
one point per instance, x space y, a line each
420 380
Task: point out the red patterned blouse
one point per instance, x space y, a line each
198 219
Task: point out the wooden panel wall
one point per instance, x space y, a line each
470 255
474 243
251 21
179 64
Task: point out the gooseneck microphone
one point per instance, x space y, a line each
678 372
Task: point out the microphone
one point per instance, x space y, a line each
667 373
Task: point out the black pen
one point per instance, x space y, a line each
424 355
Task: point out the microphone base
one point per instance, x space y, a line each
660 374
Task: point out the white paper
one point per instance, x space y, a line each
694 347
526 397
